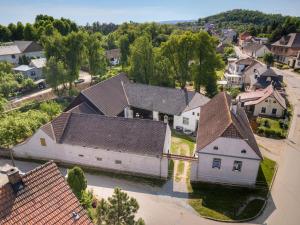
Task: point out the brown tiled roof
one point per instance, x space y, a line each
145 137
218 120
291 40
255 97
45 199
108 96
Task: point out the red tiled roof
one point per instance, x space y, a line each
45 199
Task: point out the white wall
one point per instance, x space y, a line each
193 119
8 58
269 106
132 163
229 150
261 52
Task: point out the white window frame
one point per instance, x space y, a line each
237 166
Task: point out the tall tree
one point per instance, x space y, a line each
77 181
19 31
206 63
142 60
74 56
29 32
13 28
54 46
268 59
55 73
179 49
96 55
5 34
119 209
124 48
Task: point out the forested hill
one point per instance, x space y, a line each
258 23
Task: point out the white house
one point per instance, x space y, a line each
267 102
256 50
12 51
110 143
118 96
228 35
113 56
237 71
226 147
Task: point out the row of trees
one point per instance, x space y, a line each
67 54
184 57
43 25
116 210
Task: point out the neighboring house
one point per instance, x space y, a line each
266 102
255 50
237 70
39 64
113 56
118 96
226 147
228 36
40 196
27 71
264 77
286 49
243 38
95 141
297 62
12 51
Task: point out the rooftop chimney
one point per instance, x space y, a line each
15 179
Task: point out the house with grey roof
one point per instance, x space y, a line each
107 143
226 149
12 51
118 96
255 50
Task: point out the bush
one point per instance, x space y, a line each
77 181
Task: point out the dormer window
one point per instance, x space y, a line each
244 151
216 147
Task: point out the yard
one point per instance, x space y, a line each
181 145
271 127
232 203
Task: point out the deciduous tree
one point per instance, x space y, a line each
77 181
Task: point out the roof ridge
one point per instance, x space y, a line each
40 167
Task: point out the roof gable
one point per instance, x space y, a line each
218 120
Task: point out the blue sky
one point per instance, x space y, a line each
118 11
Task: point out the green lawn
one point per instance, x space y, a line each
223 202
270 127
179 171
182 144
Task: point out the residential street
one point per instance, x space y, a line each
165 206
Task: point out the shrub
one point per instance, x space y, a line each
77 181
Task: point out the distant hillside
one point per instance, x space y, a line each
176 21
257 23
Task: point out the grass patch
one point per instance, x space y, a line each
171 168
178 143
271 127
220 74
179 171
224 202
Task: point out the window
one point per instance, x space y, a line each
237 166
80 155
13 56
185 121
198 114
274 111
32 73
118 162
266 100
216 163
193 113
43 142
216 147
274 102
263 110
244 151
99 159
